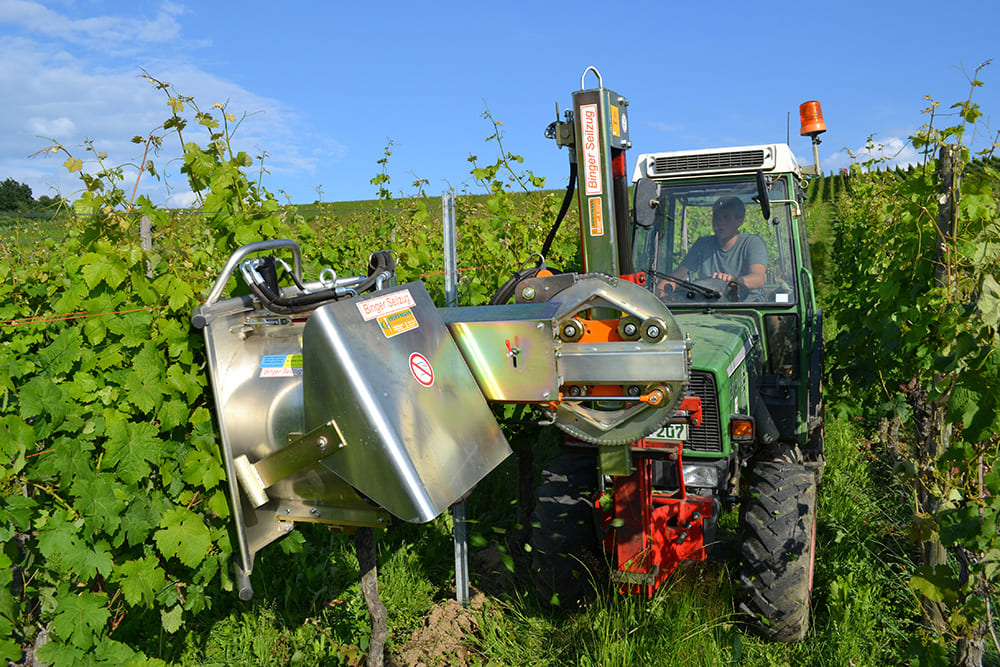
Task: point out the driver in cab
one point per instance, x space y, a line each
727 255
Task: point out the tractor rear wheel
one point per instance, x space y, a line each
778 522
565 549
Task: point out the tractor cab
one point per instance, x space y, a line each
721 231
711 241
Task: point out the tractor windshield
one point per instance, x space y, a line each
709 242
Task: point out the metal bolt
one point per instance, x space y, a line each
569 331
575 391
630 329
528 293
653 331
546 394
634 390
314 511
322 443
287 526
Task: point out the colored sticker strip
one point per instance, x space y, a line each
280 365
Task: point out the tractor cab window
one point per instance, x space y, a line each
710 243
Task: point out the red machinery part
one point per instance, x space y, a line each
650 531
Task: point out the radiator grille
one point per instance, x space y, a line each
708 436
672 164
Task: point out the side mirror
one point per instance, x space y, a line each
647 202
762 197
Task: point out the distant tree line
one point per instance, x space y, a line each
16 198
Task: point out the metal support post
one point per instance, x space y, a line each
450 252
451 300
461 555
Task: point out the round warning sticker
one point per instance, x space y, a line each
421 369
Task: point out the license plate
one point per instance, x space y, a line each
675 432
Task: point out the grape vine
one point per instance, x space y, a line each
917 313
112 507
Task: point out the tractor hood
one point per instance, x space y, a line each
723 343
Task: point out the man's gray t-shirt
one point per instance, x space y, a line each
706 257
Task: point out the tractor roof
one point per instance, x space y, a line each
770 158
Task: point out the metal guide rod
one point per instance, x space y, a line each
450 252
461 555
451 300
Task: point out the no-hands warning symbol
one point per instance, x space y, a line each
421 369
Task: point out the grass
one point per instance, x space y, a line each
308 609
862 611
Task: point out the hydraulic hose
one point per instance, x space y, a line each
379 264
507 289
567 200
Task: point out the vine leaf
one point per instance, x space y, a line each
98 503
132 447
138 521
134 328
80 617
140 579
41 395
172 619
989 301
183 534
936 583
87 562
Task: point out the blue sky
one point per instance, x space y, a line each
333 82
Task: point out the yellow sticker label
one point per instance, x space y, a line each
596 216
397 323
616 127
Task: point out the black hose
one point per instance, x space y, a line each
379 263
567 200
506 290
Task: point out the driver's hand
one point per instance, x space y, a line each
724 276
666 286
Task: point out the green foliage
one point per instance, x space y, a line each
115 490
15 197
920 326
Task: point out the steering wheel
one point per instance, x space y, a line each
732 290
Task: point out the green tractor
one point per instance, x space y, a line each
719 236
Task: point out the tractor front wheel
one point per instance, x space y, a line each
778 550
565 550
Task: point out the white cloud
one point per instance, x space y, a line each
887 153
123 34
61 82
56 128
182 200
